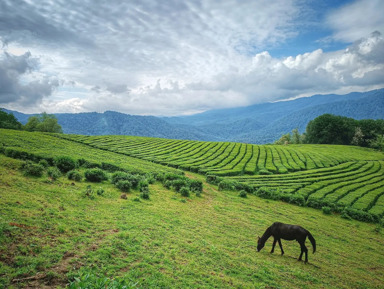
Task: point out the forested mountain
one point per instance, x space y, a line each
261 123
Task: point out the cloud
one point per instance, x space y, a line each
15 88
356 20
176 57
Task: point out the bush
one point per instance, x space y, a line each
44 163
359 215
144 193
119 176
184 192
326 210
95 175
65 164
100 192
243 194
297 200
143 184
178 184
54 173
196 186
32 169
124 185
214 180
225 185
168 185
74 176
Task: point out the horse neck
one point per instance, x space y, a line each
266 235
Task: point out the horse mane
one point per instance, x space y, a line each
266 235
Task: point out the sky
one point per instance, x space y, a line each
181 57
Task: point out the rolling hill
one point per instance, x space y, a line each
258 124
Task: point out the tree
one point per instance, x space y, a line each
8 120
331 129
378 143
358 138
291 138
44 123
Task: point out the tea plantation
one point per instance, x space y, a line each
94 227
342 179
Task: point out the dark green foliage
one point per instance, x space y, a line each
44 123
95 175
212 179
44 163
124 185
178 184
118 176
196 186
86 164
144 193
143 185
9 121
100 191
333 129
326 210
65 164
226 185
243 194
184 192
109 167
359 215
54 173
74 176
32 169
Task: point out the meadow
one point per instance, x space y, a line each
54 235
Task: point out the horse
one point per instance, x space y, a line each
287 232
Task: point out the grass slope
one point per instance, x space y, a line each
50 234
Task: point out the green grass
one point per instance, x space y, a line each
52 234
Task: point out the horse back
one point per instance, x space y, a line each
288 232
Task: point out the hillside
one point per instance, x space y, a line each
54 234
258 124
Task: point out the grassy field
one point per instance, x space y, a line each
53 234
50 234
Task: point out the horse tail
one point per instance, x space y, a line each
313 241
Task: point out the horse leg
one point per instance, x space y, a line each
273 246
304 249
281 247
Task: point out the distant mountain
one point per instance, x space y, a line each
261 123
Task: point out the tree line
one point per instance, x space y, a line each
341 130
43 122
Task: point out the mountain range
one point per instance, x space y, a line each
259 124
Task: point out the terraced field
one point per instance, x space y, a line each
228 159
344 178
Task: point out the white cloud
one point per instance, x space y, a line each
179 57
356 20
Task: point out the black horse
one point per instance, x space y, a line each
287 232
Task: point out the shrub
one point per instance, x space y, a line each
44 163
118 176
100 192
326 210
243 194
143 184
168 185
184 192
214 180
124 185
359 215
297 200
74 176
196 186
54 173
32 169
65 164
95 175
144 193
225 185
178 184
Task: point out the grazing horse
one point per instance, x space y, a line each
287 232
